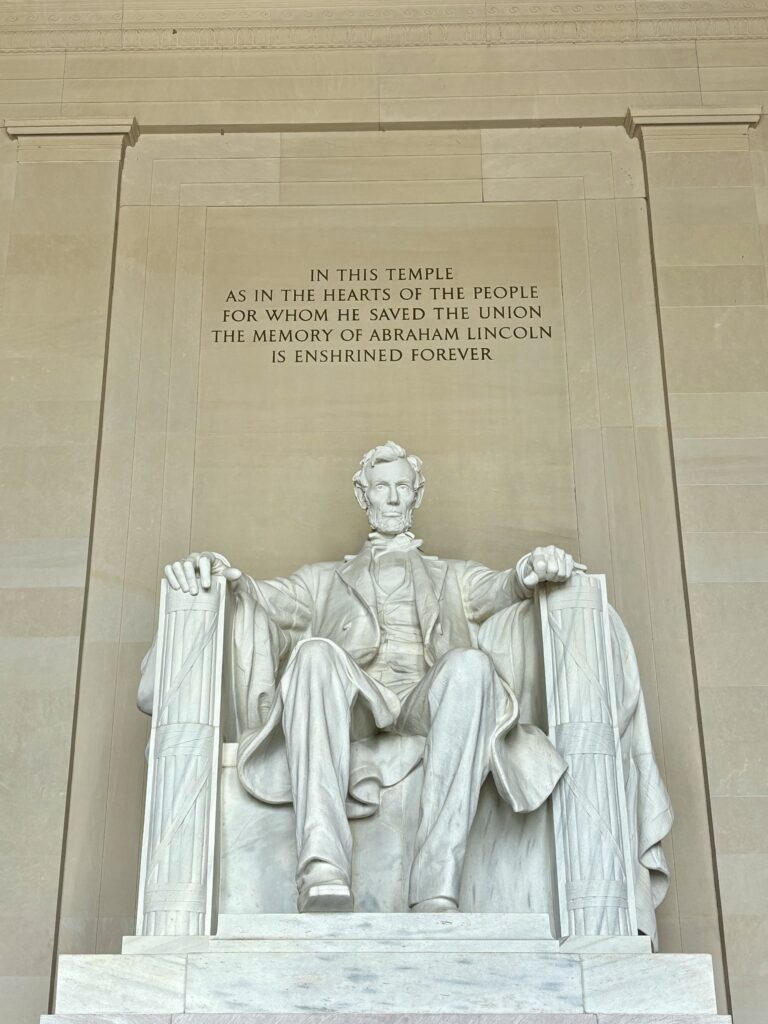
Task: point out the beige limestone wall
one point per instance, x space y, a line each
186 449
372 86
134 66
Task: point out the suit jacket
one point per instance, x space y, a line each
336 600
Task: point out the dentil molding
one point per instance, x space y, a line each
53 25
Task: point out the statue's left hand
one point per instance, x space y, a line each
548 564
193 573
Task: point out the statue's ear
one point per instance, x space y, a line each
362 501
419 497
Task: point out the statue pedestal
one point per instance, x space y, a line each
454 965
215 860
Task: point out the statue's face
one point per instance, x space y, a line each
391 496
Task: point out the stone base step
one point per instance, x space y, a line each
301 981
385 933
366 933
383 1018
384 926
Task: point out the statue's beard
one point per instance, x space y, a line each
387 522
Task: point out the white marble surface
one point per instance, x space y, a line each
595 874
364 982
128 984
390 1018
108 1018
507 864
338 976
441 1018
178 855
434 945
384 926
602 944
170 945
660 983
291 933
661 1018
111 1018
384 1018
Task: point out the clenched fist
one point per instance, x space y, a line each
194 572
549 564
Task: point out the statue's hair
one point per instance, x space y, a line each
389 452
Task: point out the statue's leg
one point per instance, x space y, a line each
317 696
455 706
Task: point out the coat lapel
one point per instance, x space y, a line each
356 573
429 579
429 575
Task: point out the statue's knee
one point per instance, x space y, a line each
312 670
314 653
470 669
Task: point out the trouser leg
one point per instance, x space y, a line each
317 697
456 703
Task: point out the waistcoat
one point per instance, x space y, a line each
400 663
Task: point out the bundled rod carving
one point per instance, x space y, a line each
594 867
176 891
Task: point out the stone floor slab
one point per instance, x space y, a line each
106 984
659 983
364 982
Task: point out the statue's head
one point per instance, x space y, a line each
389 485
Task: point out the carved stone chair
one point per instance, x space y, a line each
590 860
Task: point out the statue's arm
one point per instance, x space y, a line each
487 591
286 600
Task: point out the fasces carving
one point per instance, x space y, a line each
348 675
177 865
595 881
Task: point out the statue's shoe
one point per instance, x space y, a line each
437 905
326 898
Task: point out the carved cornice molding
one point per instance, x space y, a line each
186 26
692 117
84 139
72 126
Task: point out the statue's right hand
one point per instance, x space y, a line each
194 573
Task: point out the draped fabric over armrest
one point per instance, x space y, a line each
512 639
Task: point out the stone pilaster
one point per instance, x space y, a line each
701 167
60 235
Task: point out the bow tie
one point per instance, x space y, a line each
401 544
